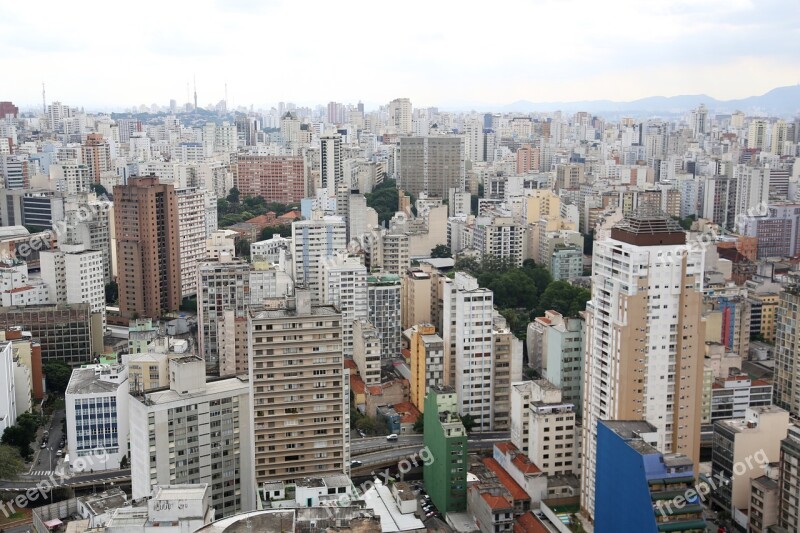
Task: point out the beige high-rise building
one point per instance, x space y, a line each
427 362
644 338
415 297
400 119
367 352
300 390
148 249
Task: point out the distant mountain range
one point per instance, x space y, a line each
782 101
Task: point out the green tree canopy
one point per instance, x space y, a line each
57 374
469 422
567 299
441 250
419 425
11 462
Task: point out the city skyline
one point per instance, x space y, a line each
622 51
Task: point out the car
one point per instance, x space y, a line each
360 432
393 436
430 514
356 463
44 444
59 453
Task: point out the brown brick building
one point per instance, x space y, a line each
276 178
148 258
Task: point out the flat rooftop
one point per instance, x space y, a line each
87 381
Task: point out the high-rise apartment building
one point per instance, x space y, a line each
427 361
300 390
276 178
400 116
757 133
383 304
222 302
74 275
330 155
192 236
468 317
96 154
416 293
644 338
312 241
344 284
71 177
148 249
367 352
432 165
89 220
787 349
195 431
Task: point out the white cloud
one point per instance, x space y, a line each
108 54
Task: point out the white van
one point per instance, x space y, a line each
393 436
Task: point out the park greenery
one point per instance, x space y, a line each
523 293
233 209
441 251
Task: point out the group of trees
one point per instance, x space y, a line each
523 293
57 374
20 435
234 209
385 199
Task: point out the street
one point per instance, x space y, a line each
45 460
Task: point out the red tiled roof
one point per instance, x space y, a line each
506 447
350 364
406 353
20 289
528 523
376 390
408 412
357 384
291 215
496 502
525 465
517 492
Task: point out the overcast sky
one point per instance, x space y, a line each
111 54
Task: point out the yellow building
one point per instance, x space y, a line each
427 361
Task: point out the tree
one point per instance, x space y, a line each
468 421
419 425
112 293
19 438
440 251
284 230
98 189
567 299
233 196
242 248
366 424
57 374
123 463
11 462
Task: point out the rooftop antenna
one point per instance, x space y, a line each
195 93
44 101
188 97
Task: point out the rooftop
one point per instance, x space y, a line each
101 503
89 381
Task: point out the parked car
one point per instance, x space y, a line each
59 453
393 436
362 433
355 463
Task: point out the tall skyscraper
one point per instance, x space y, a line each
300 390
192 235
74 274
432 165
330 155
148 251
644 338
